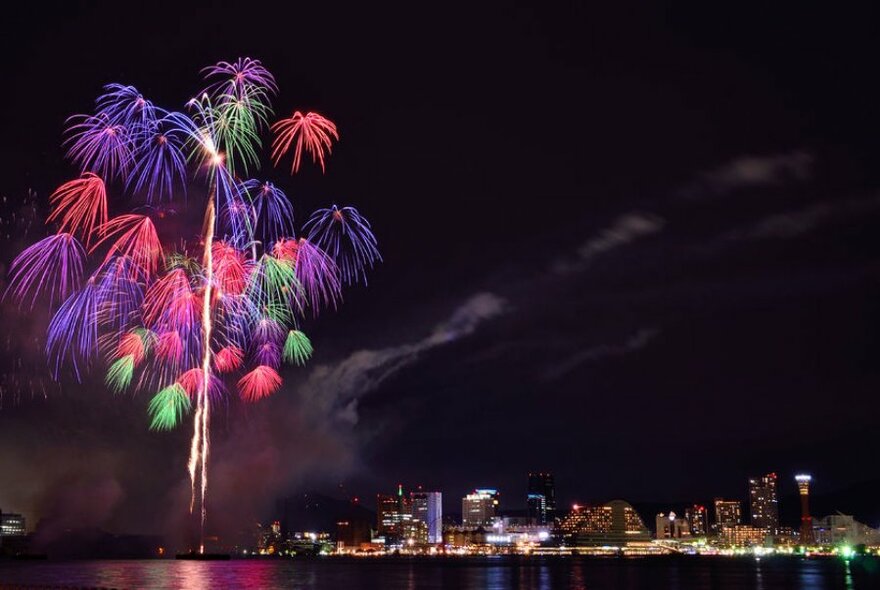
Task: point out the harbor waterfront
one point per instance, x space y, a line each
413 525
507 295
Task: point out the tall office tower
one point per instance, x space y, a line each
479 509
728 513
763 504
697 519
541 498
391 511
803 482
428 508
536 508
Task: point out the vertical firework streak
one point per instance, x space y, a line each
157 314
198 458
210 220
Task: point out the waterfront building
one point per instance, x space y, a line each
697 519
391 512
663 526
763 503
480 508
682 528
352 533
786 532
743 535
413 532
517 531
728 513
427 507
541 498
461 537
12 524
354 527
671 526
843 529
613 524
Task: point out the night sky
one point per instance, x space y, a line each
636 248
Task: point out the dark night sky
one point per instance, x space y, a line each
634 247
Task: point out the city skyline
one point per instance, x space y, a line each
740 507
485 503
529 295
412 522
647 267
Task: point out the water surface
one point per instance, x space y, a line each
520 573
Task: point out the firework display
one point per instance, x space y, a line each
192 321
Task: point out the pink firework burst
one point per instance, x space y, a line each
228 359
131 344
193 380
137 240
80 207
261 382
311 133
231 270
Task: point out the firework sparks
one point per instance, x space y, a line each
297 348
97 144
261 382
137 241
272 210
53 265
180 321
347 237
80 207
159 159
311 133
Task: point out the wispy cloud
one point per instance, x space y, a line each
791 224
625 229
333 390
752 171
636 342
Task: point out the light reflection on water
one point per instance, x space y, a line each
463 574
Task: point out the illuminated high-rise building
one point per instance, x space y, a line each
427 507
728 513
391 511
413 532
541 498
803 482
763 503
697 519
480 508
536 507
